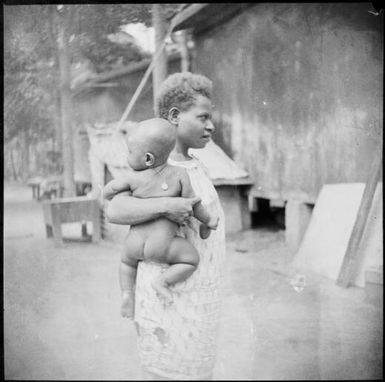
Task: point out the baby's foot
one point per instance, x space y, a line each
161 287
128 304
204 231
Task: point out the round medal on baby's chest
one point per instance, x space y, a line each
163 185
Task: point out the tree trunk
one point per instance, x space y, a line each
160 27
66 109
58 131
56 92
14 172
24 155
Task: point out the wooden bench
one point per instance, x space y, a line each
34 183
52 187
48 187
69 210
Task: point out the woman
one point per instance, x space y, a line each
178 341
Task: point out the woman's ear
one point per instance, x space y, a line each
173 115
150 159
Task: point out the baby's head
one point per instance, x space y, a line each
150 144
180 90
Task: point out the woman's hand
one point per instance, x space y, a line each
179 209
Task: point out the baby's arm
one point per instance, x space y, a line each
116 186
199 210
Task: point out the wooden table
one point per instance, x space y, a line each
69 210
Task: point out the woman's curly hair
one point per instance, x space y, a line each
180 90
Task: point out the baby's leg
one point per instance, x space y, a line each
183 259
132 253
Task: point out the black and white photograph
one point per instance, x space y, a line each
193 191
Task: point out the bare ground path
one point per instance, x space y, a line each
61 311
60 305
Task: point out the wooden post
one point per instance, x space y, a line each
182 41
66 102
349 265
160 66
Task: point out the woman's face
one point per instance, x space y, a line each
195 127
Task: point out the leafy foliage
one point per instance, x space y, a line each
93 23
31 77
102 53
27 72
91 26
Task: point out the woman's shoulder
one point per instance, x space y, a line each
200 164
191 163
176 171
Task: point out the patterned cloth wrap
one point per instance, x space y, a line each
178 341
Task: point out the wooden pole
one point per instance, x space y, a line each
142 83
182 42
351 258
66 103
160 67
137 92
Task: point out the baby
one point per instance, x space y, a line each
149 147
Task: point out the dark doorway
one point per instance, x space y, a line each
267 216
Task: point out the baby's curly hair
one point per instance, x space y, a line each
180 90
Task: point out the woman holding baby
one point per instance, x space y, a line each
178 341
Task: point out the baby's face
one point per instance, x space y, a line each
136 155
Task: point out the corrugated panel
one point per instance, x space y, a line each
304 105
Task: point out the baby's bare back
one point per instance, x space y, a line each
151 184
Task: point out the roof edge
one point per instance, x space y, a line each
201 17
131 68
182 17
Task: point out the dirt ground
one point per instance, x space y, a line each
61 310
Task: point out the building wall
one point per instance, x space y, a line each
106 105
298 94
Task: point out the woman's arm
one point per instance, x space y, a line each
116 186
125 209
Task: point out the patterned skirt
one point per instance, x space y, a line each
176 341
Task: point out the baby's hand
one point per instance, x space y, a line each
204 231
213 222
205 228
